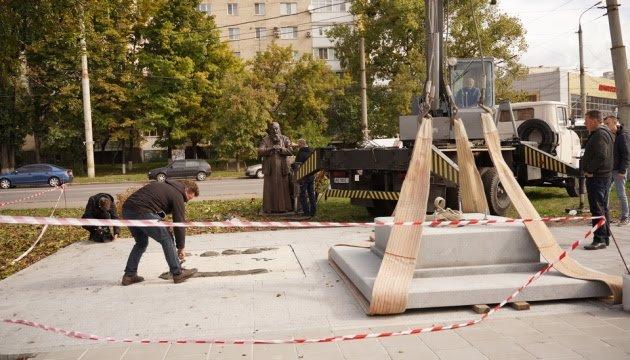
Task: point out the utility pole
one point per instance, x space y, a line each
364 119
582 84
87 108
620 63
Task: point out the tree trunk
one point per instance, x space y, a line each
130 162
12 158
38 147
122 147
238 165
4 159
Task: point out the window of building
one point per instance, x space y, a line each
237 53
321 31
296 55
205 8
326 53
261 32
259 8
288 8
150 133
233 33
232 9
329 5
289 32
592 103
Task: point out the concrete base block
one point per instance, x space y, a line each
626 290
361 266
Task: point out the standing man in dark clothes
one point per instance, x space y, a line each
101 206
308 200
153 202
621 162
597 164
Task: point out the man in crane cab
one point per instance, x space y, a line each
468 96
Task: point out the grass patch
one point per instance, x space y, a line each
14 239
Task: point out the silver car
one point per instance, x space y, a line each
254 171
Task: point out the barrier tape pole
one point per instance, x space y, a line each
31 196
34 220
84 336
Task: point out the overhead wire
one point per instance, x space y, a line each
280 16
299 24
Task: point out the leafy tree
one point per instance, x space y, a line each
184 61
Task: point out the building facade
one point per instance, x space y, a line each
555 84
249 26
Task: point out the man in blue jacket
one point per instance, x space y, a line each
597 164
468 96
621 161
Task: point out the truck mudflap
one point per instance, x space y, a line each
540 159
362 194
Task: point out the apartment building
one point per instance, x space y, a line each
249 26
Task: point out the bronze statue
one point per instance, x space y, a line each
275 149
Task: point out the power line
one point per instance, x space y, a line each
237 40
279 16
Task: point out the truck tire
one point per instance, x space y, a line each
573 187
498 199
382 208
540 132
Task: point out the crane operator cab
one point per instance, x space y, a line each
470 79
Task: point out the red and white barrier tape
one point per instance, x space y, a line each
31 196
33 220
84 336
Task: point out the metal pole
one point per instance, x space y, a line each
620 63
582 85
87 108
364 119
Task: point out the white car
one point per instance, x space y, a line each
254 171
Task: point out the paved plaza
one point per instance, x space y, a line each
298 296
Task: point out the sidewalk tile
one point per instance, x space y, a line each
603 352
577 341
230 352
189 351
62 355
410 352
582 320
478 333
105 352
498 348
459 354
623 323
607 331
621 343
557 328
549 350
444 340
275 352
146 351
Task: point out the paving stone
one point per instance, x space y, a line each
275 352
410 353
498 348
577 341
549 350
459 354
444 340
62 355
367 347
507 327
582 320
199 351
319 351
621 343
607 331
557 328
230 352
623 323
602 352
475 333
147 351
105 352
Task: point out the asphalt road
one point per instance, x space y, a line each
77 195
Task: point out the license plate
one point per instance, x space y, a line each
343 180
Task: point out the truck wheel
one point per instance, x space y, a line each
382 208
498 199
539 132
572 186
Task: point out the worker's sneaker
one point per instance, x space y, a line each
624 222
595 246
185 274
131 279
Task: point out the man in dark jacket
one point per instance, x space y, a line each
153 202
597 164
308 200
621 161
101 206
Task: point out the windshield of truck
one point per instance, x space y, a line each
467 81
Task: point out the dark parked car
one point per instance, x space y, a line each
36 174
198 169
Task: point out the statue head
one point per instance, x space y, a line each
273 129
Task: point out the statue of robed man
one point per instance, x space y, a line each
275 149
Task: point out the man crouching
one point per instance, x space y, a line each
153 202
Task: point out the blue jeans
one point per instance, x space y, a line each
598 189
307 197
142 235
620 188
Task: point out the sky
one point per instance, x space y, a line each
552 32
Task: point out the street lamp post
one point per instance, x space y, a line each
582 85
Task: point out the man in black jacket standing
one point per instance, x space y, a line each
597 164
153 202
621 162
308 200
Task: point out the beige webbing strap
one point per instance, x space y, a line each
391 286
539 231
471 191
